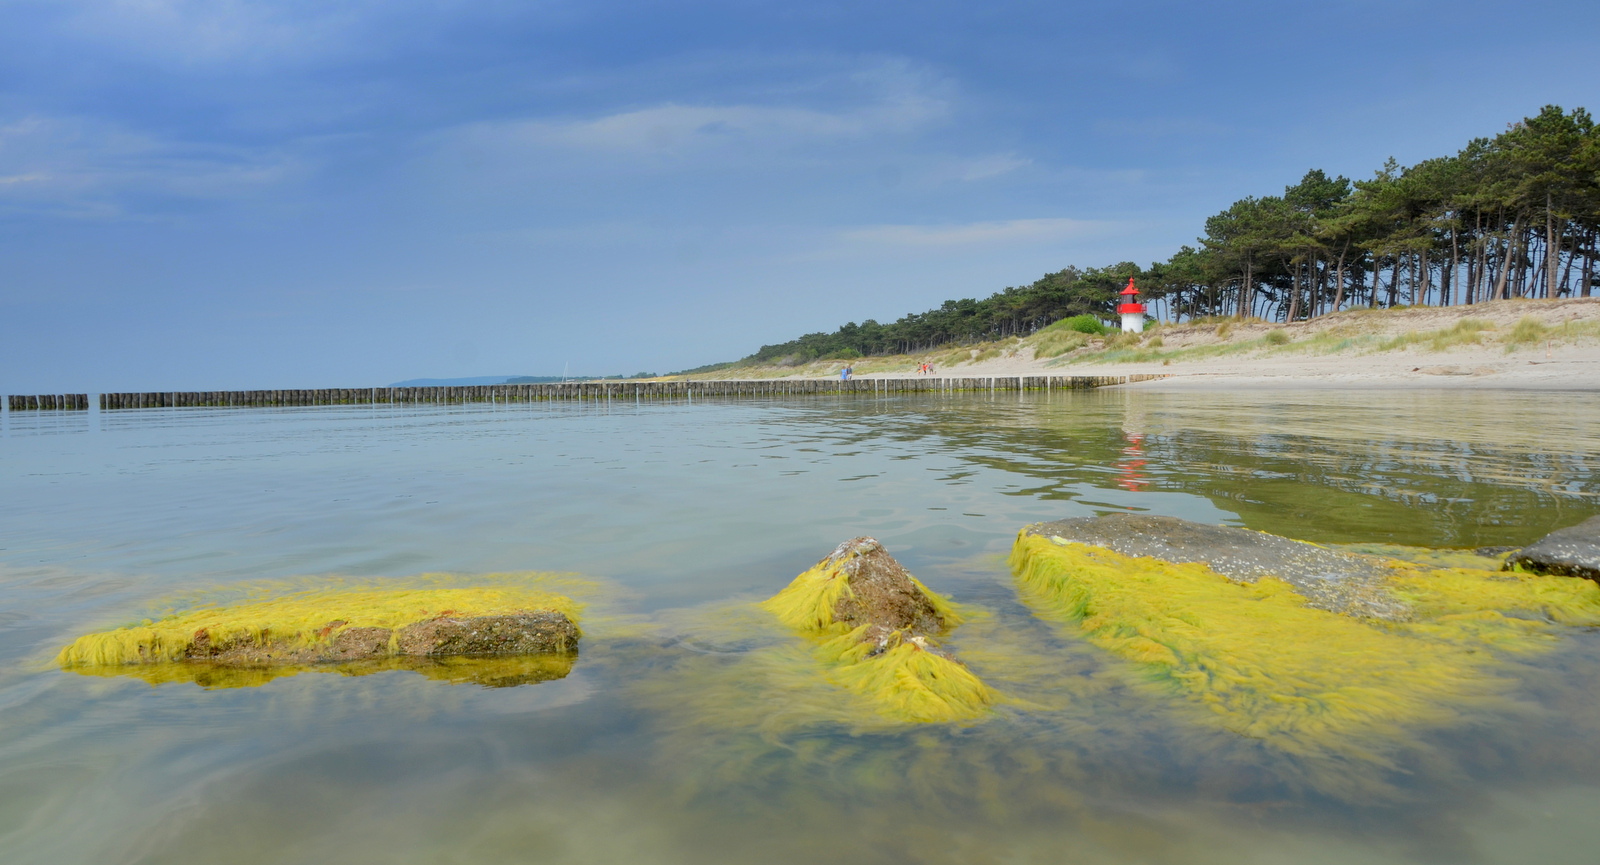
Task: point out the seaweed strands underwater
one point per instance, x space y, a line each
1142 626
512 631
1312 651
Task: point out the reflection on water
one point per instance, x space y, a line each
692 729
489 672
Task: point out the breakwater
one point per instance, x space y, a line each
49 402
574 390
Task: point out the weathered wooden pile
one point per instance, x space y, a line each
49 402
582 390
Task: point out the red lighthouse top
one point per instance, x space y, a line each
1132 305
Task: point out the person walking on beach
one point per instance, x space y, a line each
844 374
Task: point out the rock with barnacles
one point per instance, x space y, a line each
882 594
877 630
1329 579
1570 552
1293 644
526 632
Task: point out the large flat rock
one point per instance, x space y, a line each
533 632
1332 580
1570 552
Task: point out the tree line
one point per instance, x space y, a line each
1516 215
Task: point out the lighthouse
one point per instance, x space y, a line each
1132 310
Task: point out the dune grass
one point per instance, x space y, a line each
1530 331
1468 331
1351 331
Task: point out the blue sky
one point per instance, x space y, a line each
210 195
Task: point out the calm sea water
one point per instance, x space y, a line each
659 747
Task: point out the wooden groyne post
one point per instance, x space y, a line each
575 390
49 402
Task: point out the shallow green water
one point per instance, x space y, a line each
689 730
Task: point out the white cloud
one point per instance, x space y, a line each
674 128
982 167
860 105
976 233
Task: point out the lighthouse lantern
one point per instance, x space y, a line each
1132 310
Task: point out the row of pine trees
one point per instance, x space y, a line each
1512 216
1516 215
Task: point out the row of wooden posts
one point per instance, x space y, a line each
49 402
636 390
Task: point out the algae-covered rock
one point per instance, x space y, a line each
331 627
523 633
877 630
527 632
1331 580
1570 552
882 595
1202 613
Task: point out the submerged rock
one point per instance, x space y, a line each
1221 618
338 626
519 633
1570 552
1329 579
877 629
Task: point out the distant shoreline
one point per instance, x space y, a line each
1513 344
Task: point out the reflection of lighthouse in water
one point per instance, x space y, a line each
1130 474
1130 468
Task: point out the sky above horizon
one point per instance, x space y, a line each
219 195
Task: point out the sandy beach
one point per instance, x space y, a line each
1406 348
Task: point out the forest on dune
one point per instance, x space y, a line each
1516 215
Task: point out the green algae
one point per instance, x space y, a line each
903 676
301 616
489 672
1264 664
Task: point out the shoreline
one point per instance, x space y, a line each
1544 345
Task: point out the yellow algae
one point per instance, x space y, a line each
906 680
1445 592
808 602
903 676
490 672
1434 558
311 617
1268 666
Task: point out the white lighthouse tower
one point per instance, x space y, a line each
1132 310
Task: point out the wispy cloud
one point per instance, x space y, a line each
673 128
976 233
985 167
74 166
